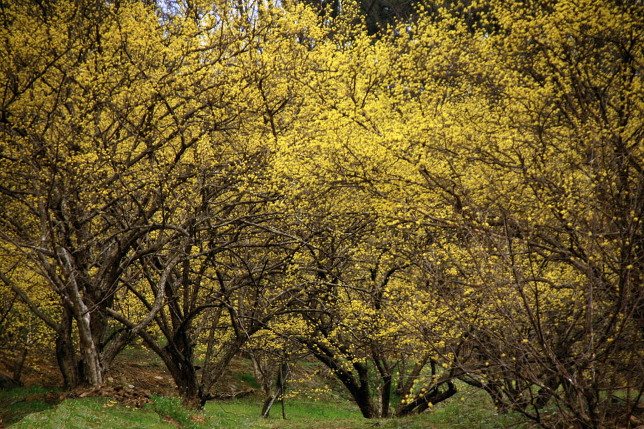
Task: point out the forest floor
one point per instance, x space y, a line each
139 393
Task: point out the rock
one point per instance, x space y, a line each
7 383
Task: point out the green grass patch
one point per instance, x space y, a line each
18 403
93 413
138 355
478 413
472 408
248 379
173 409
475 410
299 414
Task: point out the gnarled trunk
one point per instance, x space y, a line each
357 387
423 399
65 352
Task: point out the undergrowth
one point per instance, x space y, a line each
28 408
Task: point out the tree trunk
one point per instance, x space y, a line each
178 358
359 388
92 372
65 352
362 397
385 370
192 396
280 389
185 377
421 402
19 363
86 371
385 396
91 368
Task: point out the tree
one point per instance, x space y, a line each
519 150
534 155
456 198
569 237
107 133
27 339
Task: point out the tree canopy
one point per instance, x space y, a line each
449 192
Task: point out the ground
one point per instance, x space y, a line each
135 375
135 380
139 393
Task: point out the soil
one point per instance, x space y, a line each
39 369
135 375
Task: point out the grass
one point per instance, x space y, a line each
172 410
17 403
19 412
37 407
140 356
476 412
472 408
247 378
299 414
93 413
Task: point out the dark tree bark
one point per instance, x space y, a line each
356 383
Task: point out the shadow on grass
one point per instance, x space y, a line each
20 402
